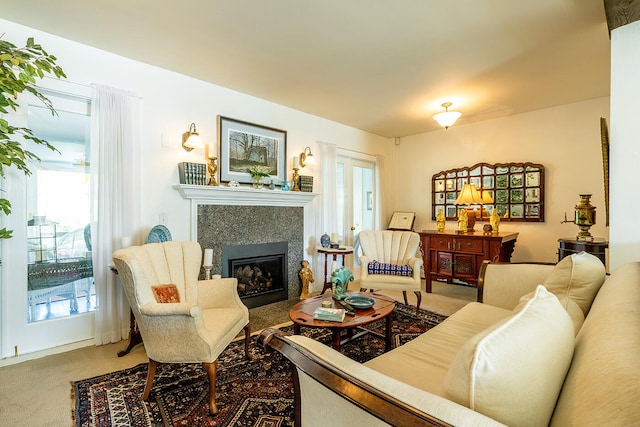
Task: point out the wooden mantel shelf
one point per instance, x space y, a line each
219 195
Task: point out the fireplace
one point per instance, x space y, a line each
261 271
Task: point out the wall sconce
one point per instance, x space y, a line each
306 158
447 118
191 139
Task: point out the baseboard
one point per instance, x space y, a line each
47 352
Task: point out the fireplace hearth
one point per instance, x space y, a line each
261 271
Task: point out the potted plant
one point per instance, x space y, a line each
20 67
258 172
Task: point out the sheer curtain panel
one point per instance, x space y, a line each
115 211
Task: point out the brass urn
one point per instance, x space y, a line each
585 218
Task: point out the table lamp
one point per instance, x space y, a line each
469 195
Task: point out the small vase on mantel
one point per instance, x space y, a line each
257 182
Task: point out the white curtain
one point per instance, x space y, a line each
325 204
381 221
115 201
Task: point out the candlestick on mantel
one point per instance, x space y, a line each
208 257
208 263
296 162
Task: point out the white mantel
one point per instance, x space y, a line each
245 196
239 196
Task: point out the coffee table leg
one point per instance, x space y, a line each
296 329
389 329
336 339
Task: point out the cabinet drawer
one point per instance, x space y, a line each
469 245
441 243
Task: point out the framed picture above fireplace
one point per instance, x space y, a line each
242 145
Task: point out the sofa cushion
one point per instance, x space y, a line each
572 308
579 277
376 267
514 370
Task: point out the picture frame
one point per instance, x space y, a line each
242 145
402 221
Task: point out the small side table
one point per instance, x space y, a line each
134 333
570 246
343 250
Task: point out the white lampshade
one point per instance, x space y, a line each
191 139
469 195
447 118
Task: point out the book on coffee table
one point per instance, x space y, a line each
330 314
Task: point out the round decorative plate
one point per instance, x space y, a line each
158 234
360 302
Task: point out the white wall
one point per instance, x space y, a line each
565 139
625 143
169 103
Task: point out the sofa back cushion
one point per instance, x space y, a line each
389 246
514 370
579 277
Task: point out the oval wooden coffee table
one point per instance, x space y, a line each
301 314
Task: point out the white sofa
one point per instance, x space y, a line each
563 354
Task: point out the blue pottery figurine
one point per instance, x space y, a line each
325 240
285 186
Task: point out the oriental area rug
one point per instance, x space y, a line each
248 393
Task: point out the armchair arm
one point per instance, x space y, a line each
157 309
364 267
219 293
502 284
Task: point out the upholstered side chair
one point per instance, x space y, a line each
201 318
391 260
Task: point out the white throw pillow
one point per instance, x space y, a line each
514 370
572 308
579 277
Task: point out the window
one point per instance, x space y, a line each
59 264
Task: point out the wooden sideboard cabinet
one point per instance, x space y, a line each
448 255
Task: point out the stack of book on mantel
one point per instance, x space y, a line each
306 183
192 173
329 314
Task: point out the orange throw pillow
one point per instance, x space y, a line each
165 293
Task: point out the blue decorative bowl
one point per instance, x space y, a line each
360 302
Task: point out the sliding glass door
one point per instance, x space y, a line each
47 281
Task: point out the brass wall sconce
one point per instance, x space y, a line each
191 138
447 118
306 158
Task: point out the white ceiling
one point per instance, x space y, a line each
381 66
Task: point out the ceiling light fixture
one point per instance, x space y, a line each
191 139
447 118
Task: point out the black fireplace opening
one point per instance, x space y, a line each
261 271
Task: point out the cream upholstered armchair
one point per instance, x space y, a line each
390 260
196 320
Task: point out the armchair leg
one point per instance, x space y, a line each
419 296
404 294
212 369
247 341
151 372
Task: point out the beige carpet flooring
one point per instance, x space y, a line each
37 392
